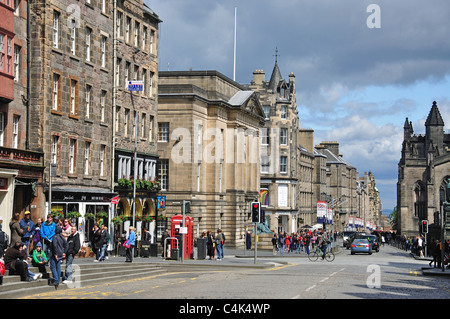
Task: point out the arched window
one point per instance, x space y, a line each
420 200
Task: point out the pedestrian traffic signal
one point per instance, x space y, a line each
255 209
424 226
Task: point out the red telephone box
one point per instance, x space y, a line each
189 236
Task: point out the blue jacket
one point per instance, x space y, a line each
48 231
24 225
131 238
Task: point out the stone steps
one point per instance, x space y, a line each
84 275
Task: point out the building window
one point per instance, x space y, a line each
15 133
102 160
103 48
164 174
55 139
17 7
88 100
56 29
265 164
152 41
137 28
87 149
283 111
144 38
127 73
264 132
163 132
73 40
73 97
127 29
17 51
102 105
150 128
267 111
104 6
56 94
126 122
145 82
143 125
119 20
283 136
118 65
152 75
88 44
2 128
72 155
117 118
124 167
283 164
2 51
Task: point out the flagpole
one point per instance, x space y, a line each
234 56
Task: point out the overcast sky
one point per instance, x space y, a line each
359 71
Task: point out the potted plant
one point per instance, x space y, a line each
73 215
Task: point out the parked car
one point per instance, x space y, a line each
346 239
361 246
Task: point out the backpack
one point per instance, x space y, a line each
2 268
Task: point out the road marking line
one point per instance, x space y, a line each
325 279
312 287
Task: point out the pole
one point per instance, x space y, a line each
234 59
256 241
183 234
442 238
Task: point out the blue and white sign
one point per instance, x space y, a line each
135 85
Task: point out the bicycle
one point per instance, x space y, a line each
314 255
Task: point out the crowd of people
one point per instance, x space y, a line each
50 243
303 240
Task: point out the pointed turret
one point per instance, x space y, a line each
275 78
434 128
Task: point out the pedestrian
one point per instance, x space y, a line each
27 226
37 234
73 247
104 240
40 260
281 243
16 262
59 248
3 241
131 241
219 243
67 228
96 242
47 234
274 244
164 244
210 244
16 231
248 240
420 246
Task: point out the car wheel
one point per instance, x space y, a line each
353 253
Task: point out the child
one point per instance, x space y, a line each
40 259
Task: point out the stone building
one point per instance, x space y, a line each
208 142
134 120
21 168
71 122
279 193
423 174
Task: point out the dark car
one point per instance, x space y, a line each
346 238
374 241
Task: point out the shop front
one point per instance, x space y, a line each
83 207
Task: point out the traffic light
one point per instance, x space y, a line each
256 209
424 226
186 207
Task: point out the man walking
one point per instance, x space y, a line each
73 247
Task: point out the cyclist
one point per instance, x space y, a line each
322 244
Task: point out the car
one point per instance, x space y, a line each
355 235
374 240
360 245
346 239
